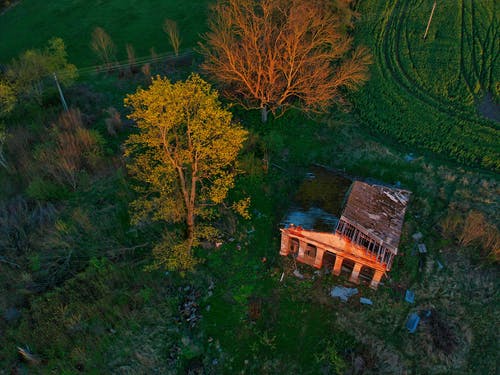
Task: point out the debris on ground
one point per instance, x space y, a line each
426 313
409 296
412 322
358 365
440 265
27 356
417 236
365 301
422 249
297 274
189 308
409 157
421 262
343 292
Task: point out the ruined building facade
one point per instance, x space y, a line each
365 239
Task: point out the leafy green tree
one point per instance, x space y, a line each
183 158
29 74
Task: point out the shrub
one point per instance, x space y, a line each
86 100
114 122
71 149
474 229
20 221
19 145
44 190
30 73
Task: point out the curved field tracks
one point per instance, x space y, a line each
423 92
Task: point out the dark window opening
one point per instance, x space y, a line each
311 251
366 274
347 266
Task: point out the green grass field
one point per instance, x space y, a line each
88 306
424 92
31 23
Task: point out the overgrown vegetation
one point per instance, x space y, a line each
74 293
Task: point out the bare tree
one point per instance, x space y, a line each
103 46
170 27
275 54
131 58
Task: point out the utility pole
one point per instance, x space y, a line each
63 101
430 19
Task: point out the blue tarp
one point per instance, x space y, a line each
365 301
343 293
409 296
412 322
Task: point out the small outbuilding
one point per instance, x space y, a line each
364 239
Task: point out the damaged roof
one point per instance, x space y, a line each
377 209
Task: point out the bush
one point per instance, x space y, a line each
71 150
114 122
45 190
473 229
20 221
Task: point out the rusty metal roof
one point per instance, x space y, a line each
377 209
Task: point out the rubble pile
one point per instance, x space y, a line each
189 308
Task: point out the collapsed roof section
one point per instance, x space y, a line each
377 211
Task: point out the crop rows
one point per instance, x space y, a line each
401 102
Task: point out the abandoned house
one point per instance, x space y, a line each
363 240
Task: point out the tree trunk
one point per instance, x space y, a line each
190 228
263 113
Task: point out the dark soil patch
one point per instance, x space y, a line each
488 108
